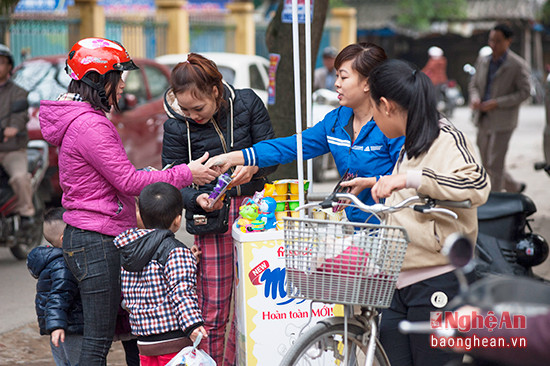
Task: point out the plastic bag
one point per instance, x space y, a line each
191 356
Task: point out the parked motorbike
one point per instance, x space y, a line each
500 297
506 243
450 97
543 166
22 240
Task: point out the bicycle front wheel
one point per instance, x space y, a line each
323 345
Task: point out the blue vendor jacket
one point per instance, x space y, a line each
371 155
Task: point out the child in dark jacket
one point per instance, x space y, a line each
58 304
159 278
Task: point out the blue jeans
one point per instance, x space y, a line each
95 262
68 352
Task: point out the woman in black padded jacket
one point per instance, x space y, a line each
206 114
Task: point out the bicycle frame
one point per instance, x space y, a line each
367 320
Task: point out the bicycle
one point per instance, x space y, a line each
352 264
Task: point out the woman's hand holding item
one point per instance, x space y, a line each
387 184
356 185
243 174
202 174
359 184
220 162
204 202
225 161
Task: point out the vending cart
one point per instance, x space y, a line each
268 320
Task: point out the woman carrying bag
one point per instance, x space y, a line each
206 115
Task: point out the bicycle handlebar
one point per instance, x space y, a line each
408 327
447 203
425 204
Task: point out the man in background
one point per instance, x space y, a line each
13 142
499 86
325 77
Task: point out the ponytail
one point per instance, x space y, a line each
411 89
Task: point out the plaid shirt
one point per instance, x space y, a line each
71 97
160 298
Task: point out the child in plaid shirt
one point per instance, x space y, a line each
159 278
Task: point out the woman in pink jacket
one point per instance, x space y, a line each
99 182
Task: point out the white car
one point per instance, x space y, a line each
241 71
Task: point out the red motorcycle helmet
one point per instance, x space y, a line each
97 54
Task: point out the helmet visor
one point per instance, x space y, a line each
125 66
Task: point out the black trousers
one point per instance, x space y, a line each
414 303
132 352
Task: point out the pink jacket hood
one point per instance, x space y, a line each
56 117
98 181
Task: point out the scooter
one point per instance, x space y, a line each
506 243
496 299
543 166
450 97
22 240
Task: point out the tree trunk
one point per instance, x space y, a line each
279 41
7 7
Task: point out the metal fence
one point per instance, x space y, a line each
31 35
143 37
211 33
37 35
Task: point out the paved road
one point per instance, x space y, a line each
18 335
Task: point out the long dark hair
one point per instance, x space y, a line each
410 88
92 96
197 75
365 55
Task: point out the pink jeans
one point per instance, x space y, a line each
15 164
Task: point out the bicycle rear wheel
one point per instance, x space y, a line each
323 345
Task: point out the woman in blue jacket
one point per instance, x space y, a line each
348 132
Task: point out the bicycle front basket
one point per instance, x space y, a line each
343 262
